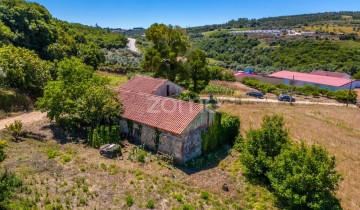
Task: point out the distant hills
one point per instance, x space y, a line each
283 22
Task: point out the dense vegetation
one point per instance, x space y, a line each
79 98
241 52
301 176
340 95
279 22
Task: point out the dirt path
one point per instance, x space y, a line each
132 45
232 99
26 118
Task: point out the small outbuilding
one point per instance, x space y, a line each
163 124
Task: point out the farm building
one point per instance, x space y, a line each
161 123
331 74
320 81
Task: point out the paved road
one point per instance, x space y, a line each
231 99
132 45
26 118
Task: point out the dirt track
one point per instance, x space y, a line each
26 118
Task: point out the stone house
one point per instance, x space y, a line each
161 123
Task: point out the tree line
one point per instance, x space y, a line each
240 52
281 22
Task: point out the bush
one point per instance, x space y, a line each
3 154
189 96
223 130
101 135
9 184
129 200
150 204
262 146
14 129
12 102
304 177
344 96
263 87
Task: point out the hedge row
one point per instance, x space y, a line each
339 95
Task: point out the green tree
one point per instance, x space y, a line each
31 21
79 97
262 146
24 70
92 55
198 70
304 177
5 33
168 45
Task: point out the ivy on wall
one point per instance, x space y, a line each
223 130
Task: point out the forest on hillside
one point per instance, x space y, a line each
282 22
240 52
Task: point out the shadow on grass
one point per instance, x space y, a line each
63 137
205 162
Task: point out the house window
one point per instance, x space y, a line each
168 90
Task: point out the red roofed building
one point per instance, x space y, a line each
161 123
302 79
150 85
331 74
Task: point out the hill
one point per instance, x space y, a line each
284 22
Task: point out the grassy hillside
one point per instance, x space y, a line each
333 127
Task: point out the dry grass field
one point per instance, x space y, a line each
58 174
336 128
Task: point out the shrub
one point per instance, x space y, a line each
304 177
188 207
345 95
263 87
262 146
9 184
53 153
189 96
13 102
101 135
205 195
223 130
14 129
129 200
150 204
3 154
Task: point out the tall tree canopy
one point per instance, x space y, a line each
198 70
168 45
304 177
22 69
79 97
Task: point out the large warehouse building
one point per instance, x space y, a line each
320 81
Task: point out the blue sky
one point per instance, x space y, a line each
142 13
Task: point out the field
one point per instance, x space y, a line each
115 80
336 128
66 173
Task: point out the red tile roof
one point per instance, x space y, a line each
167 114
330 74
324 80
144 84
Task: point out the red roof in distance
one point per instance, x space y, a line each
167 114
318 79
144 84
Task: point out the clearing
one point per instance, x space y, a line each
336 128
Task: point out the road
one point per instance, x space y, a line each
132 45
232 99
26 118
